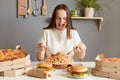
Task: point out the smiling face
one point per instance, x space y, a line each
60 20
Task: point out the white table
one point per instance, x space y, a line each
59 74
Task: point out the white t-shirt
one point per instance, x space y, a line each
56 40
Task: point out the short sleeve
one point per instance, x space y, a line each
43 37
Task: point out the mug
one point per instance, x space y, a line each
75 12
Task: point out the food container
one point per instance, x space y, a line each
17 66
15 72
109 67
105 74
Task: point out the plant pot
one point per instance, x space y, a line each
89 12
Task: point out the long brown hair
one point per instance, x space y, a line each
69 25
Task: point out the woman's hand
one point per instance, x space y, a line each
80 50
49 55
40 51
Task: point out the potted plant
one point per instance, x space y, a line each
89 7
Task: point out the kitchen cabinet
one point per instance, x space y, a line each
99 20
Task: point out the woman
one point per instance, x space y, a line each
60 35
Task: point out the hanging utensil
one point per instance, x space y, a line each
44 8
36 11
22 8
29 11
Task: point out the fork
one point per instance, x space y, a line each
73 49
70 51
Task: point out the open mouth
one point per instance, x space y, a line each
61 25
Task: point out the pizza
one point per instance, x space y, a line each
110 59
10 54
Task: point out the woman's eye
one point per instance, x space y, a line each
64 18
57 18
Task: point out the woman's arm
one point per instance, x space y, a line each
41 49
80 51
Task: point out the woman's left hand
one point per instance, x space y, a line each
80 47
80 50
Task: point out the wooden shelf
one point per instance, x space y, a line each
100 20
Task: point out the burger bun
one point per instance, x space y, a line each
77 71
60 66
77 68
45 65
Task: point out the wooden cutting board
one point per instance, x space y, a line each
22 8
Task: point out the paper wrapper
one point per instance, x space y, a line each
39 73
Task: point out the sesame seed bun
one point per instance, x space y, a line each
77 68
44 65
78 71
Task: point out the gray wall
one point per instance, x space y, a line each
14 31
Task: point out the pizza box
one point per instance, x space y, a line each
105 74
18 63
15 72
22 65
108 69
6 63
107 64
3 68
16 66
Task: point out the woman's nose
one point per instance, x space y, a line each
61 21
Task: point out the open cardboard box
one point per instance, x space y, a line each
107 66
16 72
108 69
105 74
17 66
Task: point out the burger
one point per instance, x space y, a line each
45 65
60 66
78 71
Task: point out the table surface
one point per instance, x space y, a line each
59 74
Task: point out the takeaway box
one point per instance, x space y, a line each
15 72
16 66
106 67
